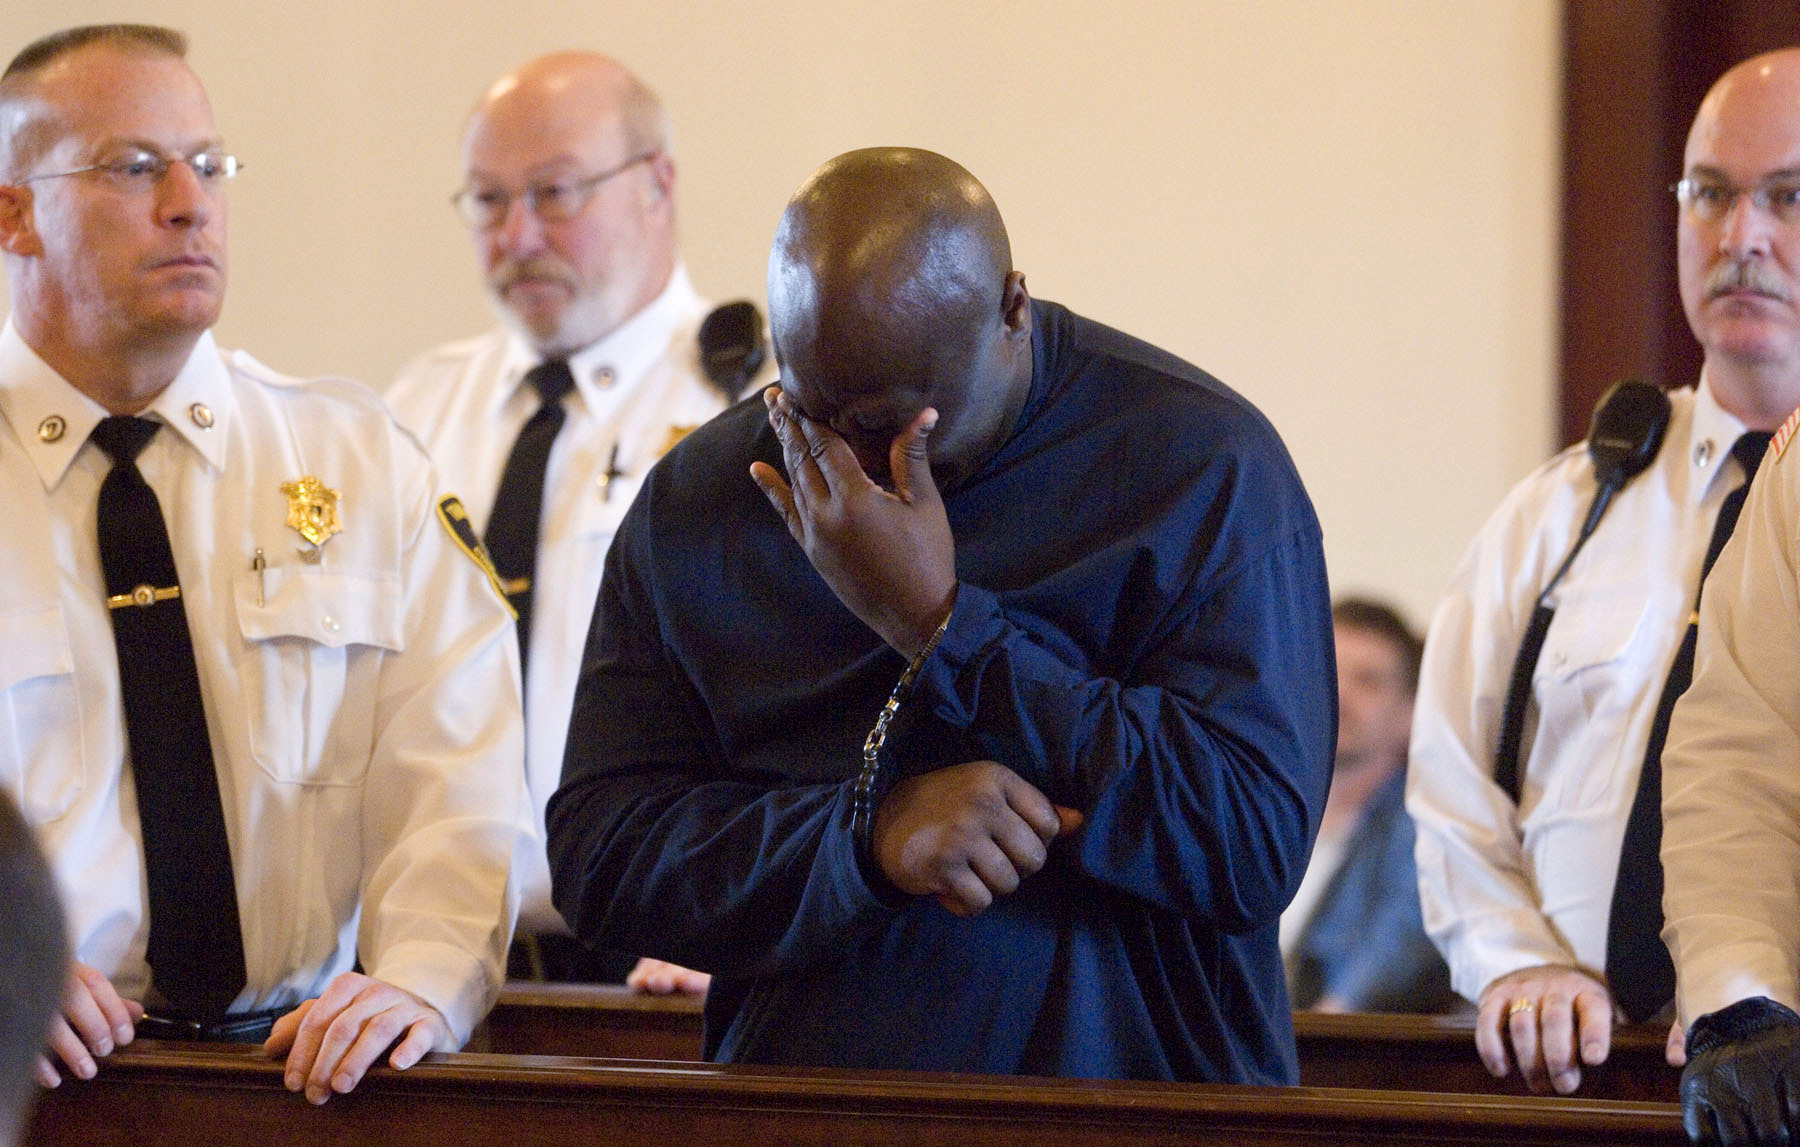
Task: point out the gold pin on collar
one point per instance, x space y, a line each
313 511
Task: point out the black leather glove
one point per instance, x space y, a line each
1742 1081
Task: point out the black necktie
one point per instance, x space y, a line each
512 533
1637 962
196 948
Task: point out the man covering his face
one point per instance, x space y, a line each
1079 580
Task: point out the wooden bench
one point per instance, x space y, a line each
164 1095
1437 1053
593 1020
1412 1053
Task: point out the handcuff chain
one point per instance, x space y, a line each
862 808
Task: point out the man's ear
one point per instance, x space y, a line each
1015 307
18 230
662 177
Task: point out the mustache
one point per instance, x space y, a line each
1744 275
505 276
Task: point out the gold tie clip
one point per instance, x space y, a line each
143 596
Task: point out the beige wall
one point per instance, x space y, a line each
1343 208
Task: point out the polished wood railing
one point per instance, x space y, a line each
163 1095
1410 1053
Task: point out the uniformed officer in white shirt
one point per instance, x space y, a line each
1731 787
1518 896
569 197
358 668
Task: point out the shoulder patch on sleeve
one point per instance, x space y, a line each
456 522
1779 445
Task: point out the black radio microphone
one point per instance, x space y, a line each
732 346
1623 439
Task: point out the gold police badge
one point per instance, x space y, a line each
313 512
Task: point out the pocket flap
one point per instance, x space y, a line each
1592 630
333 607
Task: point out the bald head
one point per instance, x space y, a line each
561 121
893 244
1740 263
891 288
568 92
1755 96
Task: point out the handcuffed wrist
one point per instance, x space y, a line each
917 658
873 780
931 643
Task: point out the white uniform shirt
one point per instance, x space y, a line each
1731 769
638 390
1505 887
361 709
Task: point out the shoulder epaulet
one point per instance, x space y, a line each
1779 444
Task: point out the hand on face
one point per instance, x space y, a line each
888 556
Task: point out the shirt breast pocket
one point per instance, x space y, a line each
315 640
1597 664
41 757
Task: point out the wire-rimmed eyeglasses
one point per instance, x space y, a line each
553 201
139 171
1710 200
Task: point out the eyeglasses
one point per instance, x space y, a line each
553 201
141 171
1711 200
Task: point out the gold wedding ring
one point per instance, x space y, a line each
1522 1004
